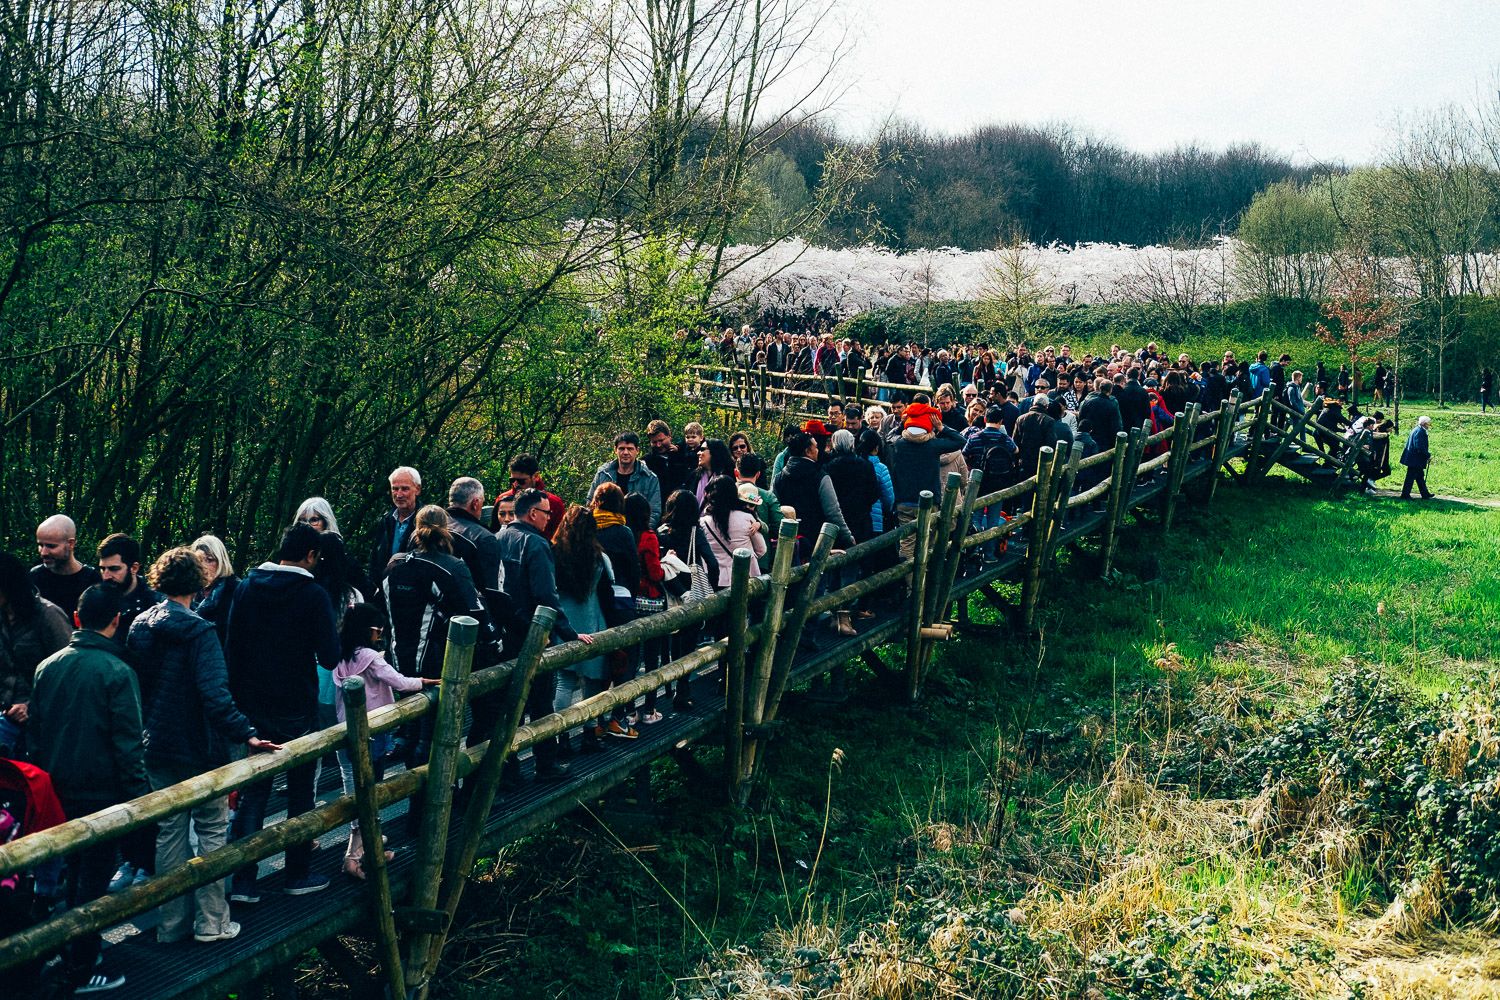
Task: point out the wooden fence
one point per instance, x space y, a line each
755 655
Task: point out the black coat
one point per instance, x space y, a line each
381 548
424 592
1135 406
189 714
857 488
281 628
528 576
618 542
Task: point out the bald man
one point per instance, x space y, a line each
60 577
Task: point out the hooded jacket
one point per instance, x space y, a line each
382 680
281 629
189 714
915 459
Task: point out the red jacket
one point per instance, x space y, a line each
554 503
43 811
648 547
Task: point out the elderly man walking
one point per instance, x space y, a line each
1416 456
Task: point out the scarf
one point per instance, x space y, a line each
605 519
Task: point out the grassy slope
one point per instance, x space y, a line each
1007 785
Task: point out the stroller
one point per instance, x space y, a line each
27 805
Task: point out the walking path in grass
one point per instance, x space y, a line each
1468 501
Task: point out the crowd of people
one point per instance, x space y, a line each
116 680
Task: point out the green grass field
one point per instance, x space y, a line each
1075 815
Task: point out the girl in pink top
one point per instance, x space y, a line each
361 637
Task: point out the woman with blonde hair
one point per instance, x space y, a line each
212 602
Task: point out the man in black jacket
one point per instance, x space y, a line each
915 462
1035 430
192 726
482 554
281 632
1102 412
120 566
1135 402
667 459
84 722
393 533
528 576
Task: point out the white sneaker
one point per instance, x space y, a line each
230 931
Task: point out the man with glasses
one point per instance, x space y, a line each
525 474
528 577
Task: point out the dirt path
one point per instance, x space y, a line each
1471 501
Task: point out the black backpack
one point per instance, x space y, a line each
997 465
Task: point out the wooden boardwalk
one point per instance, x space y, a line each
738 685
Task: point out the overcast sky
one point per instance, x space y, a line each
1317 79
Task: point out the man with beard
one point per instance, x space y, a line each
60 577
120 566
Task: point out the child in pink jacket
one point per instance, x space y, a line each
361 638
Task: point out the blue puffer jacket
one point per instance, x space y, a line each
189 714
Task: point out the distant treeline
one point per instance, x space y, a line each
1043 184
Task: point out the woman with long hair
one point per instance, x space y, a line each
31 629
650 598
682 537
729 526
585 589
713 460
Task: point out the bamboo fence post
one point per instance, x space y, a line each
1119 489
734 671
942 531
1133 466
442 768
484 782
770 638
1224 440
920 555
1182 443
954 559
947 568
1061 494
387 944
1257 435
1041 515
771 629
781 670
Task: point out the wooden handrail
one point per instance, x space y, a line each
1049 506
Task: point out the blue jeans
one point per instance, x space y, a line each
989 517
250 817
